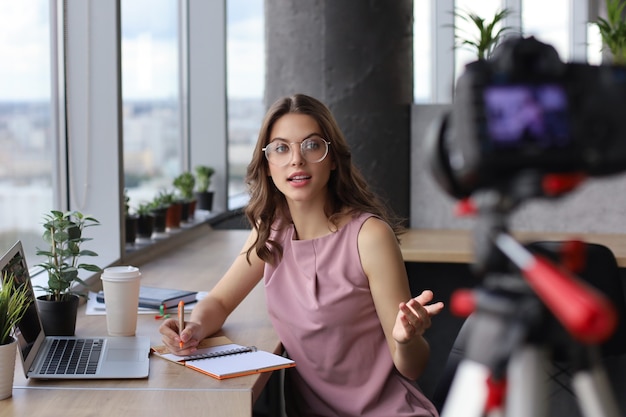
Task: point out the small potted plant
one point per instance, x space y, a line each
64 235
486 35
613 30
203 182
14 301
130 220
145 221
185 183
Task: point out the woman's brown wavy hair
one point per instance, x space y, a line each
347 190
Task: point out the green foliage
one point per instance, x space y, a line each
144 209
185 183
487 37
163 199
126 202
64 235
203 177
613 30
14 301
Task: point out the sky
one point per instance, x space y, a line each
149 46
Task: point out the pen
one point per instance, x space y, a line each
181 320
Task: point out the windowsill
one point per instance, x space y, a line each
143 251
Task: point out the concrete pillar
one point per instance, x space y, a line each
357 57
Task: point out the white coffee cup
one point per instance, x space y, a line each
121 297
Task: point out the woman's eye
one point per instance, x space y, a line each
281 148
311 145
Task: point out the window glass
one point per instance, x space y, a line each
153 142
246 84
538 20
421 50
26 141
486 9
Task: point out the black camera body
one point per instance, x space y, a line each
525 109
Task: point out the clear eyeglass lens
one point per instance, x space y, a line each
313 149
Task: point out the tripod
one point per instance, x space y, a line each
527 311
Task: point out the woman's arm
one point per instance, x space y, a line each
208 316
404 319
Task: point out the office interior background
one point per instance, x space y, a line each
98 97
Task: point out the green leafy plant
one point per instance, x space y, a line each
162 200
613 30
144 209
203 177
185 183
485 36
64 234
14 301
126 202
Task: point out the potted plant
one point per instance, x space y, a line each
145 221
185 183
173 209
14 301
64 235
613 30
130 220
204 197
159 207
486 36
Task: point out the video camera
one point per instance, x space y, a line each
524 109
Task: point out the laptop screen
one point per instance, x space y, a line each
29 327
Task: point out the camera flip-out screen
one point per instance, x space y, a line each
521 116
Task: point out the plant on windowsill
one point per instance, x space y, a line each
185 183
485 35
173 209
64 233
130 220
613 31
203 182
14 301
145 221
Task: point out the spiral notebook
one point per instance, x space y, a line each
220 358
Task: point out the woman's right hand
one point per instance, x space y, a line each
189 337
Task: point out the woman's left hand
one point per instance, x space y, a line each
414 317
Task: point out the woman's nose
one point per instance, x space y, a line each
296 154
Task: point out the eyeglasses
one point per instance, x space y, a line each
313 149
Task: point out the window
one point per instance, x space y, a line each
570 34
246 77
151 94
27 146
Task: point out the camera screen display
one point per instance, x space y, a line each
527 116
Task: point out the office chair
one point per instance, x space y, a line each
601 271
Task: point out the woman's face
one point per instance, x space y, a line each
299 180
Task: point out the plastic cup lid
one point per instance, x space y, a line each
120 273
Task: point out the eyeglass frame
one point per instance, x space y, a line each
327 142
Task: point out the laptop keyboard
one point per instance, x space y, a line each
73 357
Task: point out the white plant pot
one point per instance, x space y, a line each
7 369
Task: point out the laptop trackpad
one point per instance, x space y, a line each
124 355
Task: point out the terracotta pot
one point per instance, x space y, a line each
173 217
7 368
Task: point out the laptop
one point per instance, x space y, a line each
71 357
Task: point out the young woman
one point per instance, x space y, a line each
336 286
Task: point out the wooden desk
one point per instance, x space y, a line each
455 246
170 390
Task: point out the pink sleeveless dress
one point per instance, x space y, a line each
320 304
